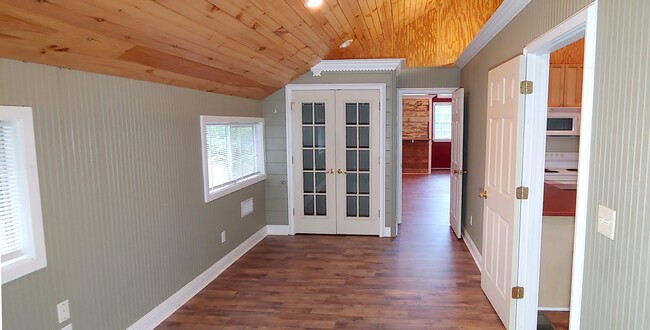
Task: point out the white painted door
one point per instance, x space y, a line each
502 176
314 161
457 115
336 159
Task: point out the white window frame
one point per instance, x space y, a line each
242 183
433 121
32 256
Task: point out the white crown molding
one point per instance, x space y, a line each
501 17
388 64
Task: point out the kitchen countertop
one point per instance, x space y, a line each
558 202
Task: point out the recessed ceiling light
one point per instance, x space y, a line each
313 3
346 43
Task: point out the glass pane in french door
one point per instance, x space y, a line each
357 159
313 159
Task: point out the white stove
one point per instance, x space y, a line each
561 169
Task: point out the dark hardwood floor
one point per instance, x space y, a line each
424 279
560 320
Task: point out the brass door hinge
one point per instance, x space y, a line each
522 192
517 292
526 87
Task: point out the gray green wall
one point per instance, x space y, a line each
616 293
538 17
617 274
429 77
121 187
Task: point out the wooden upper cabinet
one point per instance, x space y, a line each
565 85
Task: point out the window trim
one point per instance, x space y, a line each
244 182
433 121
33 257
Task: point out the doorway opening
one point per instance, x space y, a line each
427 119
560 183
581 25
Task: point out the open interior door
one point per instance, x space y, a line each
457 131
502 176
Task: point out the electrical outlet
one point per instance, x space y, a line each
63 311
223 236
471 220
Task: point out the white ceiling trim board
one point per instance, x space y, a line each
501 17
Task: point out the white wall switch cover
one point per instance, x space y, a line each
63 311
67 327
606 221
247 207
223 236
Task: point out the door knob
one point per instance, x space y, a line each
340 171
483 194
331 171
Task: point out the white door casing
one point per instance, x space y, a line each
457 131
335 161
502 175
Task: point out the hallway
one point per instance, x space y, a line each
424 279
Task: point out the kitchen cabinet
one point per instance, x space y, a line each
565 85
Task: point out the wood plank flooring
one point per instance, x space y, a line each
424 279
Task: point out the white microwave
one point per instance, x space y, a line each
563 121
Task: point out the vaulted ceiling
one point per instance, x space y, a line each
248 48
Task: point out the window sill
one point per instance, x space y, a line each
210 196
20 267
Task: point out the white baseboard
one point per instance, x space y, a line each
553 309
387 232
473 250
278 229
178 299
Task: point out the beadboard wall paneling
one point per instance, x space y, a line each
431 77
617 285
538 17
275 124
126 226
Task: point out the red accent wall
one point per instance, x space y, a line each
441 155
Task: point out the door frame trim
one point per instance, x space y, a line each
537 64
381 87
401 92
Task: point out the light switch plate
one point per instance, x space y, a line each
606 221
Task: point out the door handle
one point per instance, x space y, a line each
483 194
340 171
331 171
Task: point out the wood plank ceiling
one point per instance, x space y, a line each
247 48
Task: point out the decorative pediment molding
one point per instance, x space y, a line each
389 64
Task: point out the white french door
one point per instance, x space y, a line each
335 158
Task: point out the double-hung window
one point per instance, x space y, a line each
21 223
233 154
442 122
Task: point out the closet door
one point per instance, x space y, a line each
357 162
335 159
314 177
